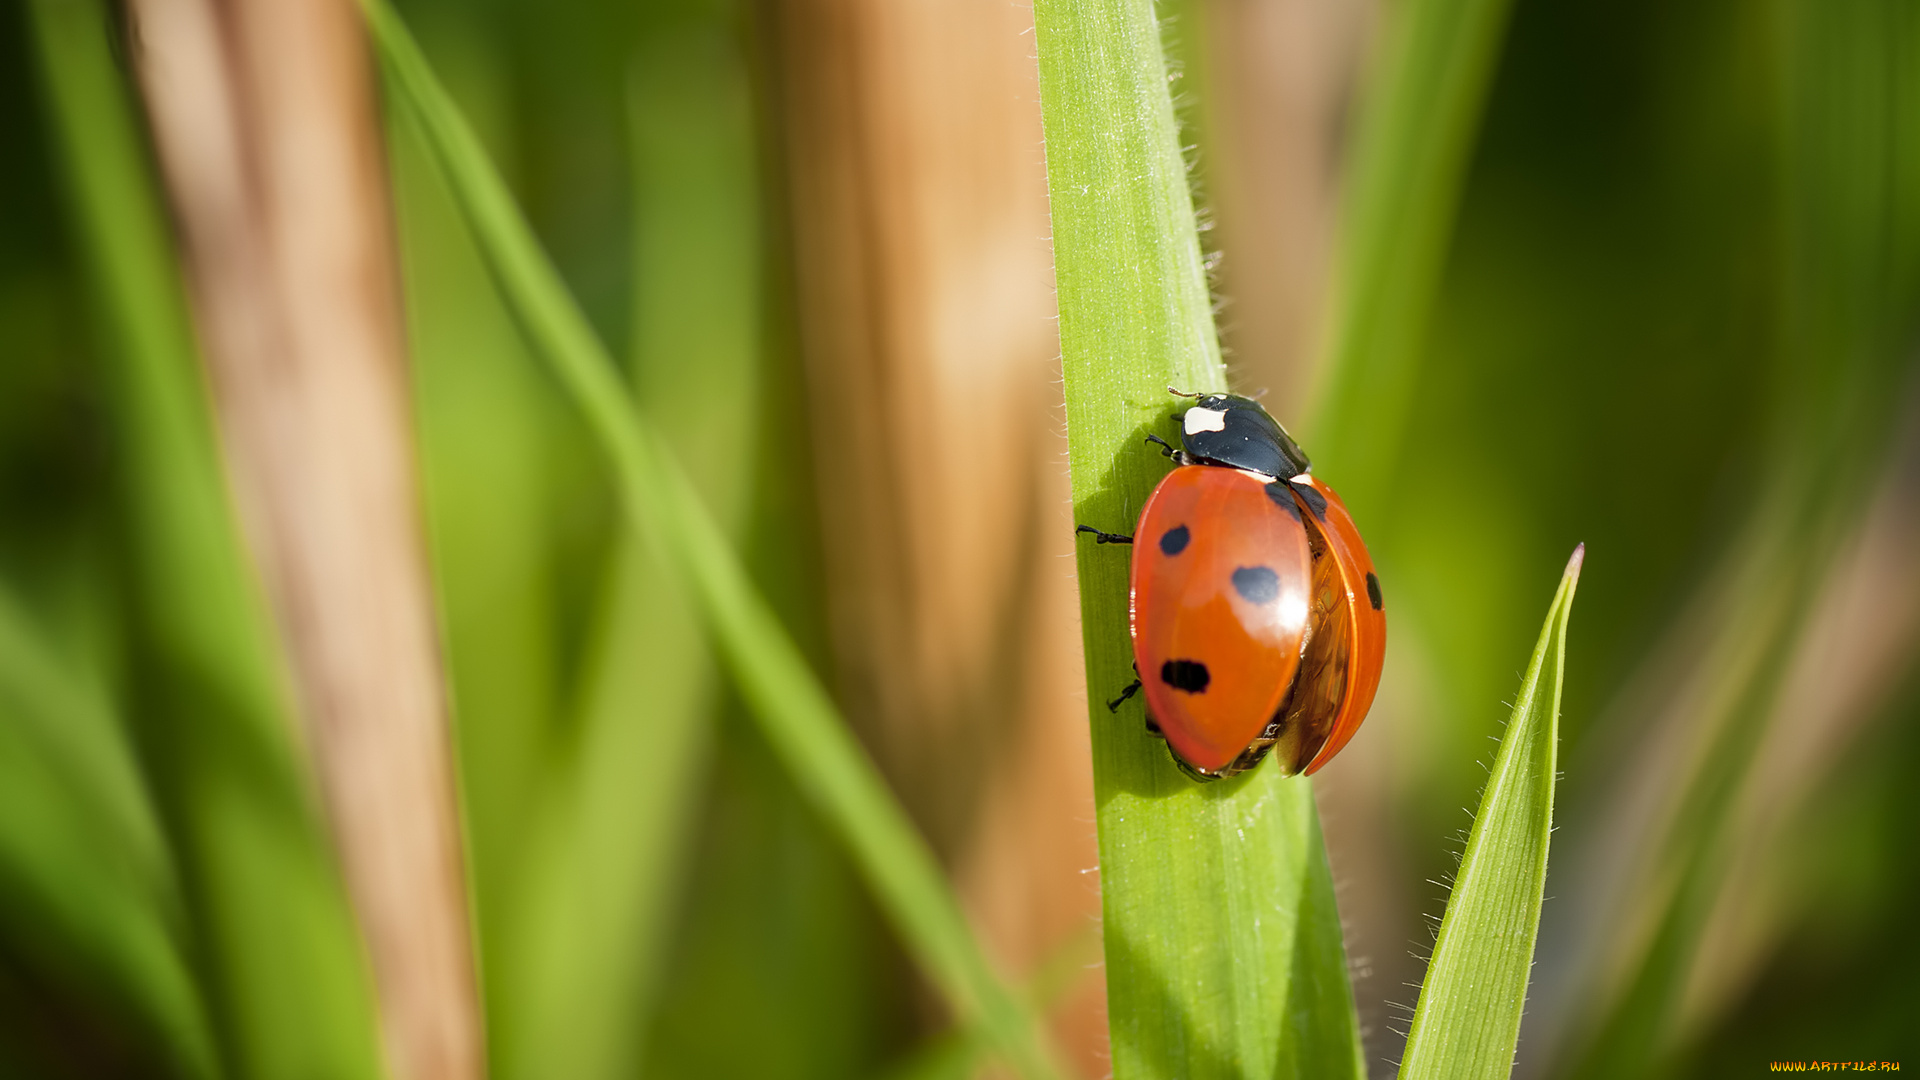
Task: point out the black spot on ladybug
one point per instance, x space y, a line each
1315 501
1188 675
1259 584
1174 540
1373 590
1283 499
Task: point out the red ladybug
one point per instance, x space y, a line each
1257 618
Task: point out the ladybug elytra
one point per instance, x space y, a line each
1257 620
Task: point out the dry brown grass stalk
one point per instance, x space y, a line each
919 216
263 114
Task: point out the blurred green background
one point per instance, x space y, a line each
1676 321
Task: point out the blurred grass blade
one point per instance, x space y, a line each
1468 1019
1852 231
1420 115
70 724
82 859
496 457
1223 948
793 710
957 1053
270 936
1630 1035
610 860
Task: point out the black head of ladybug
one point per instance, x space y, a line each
1226 429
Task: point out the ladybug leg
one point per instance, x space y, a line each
1132 689
1172 452
1104 537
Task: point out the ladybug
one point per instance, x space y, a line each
1257 620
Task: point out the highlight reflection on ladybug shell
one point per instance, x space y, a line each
1256 619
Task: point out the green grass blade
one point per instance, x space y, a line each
82 859
492 456
1409 162
1468 1019
70 725
1223 948
793 710
276 952
958 1052
608 865
1852 229
1628 1036
952 1056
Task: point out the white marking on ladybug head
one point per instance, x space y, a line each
1199 420
1260 476
1301 479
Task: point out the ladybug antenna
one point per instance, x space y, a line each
1180 393
1260 393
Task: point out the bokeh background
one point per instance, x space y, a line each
1676 321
